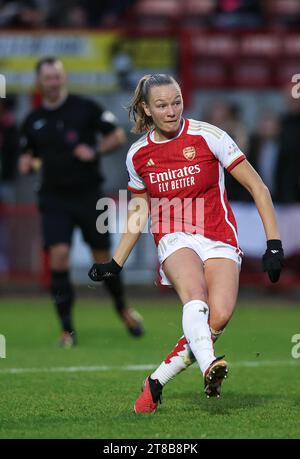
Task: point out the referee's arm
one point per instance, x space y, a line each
112 140
106 123
27 162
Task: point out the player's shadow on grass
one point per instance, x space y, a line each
226 404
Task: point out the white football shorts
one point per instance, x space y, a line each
204 247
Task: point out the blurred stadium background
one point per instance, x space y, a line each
235 61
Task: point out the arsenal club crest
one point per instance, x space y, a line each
189 153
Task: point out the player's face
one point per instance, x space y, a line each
51 81
165 106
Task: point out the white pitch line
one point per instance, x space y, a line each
102 368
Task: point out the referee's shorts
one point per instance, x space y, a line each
60 214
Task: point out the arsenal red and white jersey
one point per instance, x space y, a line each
184 177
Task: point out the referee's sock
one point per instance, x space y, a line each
63 296
131 318
114 285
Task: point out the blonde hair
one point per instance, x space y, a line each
142 122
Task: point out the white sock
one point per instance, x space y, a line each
197 332
178 360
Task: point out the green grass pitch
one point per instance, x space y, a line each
89 391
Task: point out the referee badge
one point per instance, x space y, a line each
189 153
71 136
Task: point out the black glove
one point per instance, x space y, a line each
101 271
273 259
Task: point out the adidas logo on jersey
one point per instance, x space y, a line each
150 162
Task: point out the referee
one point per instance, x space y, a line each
62 135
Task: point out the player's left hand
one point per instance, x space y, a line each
101 271
84 152
273 259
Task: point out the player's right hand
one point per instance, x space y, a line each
101 271
273 259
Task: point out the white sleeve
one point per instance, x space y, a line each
135 183
226 151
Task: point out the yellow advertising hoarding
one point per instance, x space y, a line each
89 57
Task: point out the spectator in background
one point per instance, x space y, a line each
288 168
67 13
63 135
87 13
36 14
8 12
25 14
77 17
238 13
123 66
198 13
113 11
226 116
8 150
284 13
264 150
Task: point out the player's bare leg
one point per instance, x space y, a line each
221 277
185 271
190 283
222 285
131 318
222 280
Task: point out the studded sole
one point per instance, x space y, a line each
215 378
